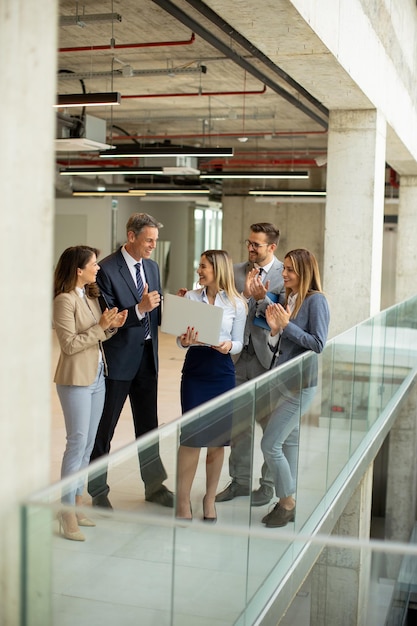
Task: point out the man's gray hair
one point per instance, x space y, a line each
138 221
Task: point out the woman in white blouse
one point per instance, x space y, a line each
208 372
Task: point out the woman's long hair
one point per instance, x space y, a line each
223 274
305 266
65 276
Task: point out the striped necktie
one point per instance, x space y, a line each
140 288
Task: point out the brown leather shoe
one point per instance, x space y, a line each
261 496
278 517
162 496
233 490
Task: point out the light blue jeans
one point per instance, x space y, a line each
82 408
281 435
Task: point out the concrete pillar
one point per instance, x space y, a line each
406 243
401 496
28 91
341 577
354 216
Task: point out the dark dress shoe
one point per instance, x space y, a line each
162 496
261 496
102 501
233 490
278 517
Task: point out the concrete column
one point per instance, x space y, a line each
401 496
354 216
27 77
405 286
341 577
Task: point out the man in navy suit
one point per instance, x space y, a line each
129 279
261 273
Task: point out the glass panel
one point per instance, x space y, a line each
140 564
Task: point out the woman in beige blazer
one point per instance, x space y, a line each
81 327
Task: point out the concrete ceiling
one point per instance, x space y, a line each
206 74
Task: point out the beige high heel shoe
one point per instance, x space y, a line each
83 520
68 526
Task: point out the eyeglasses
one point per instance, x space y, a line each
254 245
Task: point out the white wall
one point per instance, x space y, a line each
92 221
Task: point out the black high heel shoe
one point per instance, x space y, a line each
213 520
186 519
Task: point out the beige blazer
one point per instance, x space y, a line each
79 335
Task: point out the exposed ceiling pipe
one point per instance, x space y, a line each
226 28
393 180
124 46
238 59
196 93
230 162
269 133
131 73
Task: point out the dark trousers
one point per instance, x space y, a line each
142 392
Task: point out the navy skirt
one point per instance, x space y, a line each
206 374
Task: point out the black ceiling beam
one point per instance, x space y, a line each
226 28
197 28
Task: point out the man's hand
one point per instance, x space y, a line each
258 289
149 301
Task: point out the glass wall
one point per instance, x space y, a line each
142 565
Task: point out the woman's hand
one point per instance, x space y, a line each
224 347
189 338
181 292
120 319
111 318
277 317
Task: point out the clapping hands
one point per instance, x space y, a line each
112 318
277 317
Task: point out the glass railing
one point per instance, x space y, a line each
141 565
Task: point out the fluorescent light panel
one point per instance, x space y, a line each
261 192
230 174
98 171
137 151
135 192
110 98
97 193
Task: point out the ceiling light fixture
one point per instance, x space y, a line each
98 171
110 98
107 192
176 190
161 151
261 192
246 174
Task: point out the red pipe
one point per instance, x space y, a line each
202 93
123 46
393 181
211 163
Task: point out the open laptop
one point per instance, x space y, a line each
178 313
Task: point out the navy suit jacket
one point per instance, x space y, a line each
124 351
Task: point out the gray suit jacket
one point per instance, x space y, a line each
259 335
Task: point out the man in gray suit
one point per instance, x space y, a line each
262 273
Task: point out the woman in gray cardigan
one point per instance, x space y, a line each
301 325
